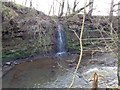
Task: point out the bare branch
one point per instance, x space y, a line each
75 5
81 46
68 7
116 4
62 8
78 11
59 2
90 7
50 10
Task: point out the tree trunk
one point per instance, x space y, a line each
50 10
111 17
25 2
68 8
90 7
30 3
119 44
111 11
62 8
75 5
53 8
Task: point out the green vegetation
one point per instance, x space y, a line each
73 42
36 47
9 55
8 13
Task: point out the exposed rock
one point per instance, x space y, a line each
8 63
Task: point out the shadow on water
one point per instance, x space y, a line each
30 73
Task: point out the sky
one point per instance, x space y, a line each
101 7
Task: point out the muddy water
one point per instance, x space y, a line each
50 72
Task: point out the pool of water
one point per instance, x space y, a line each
50 72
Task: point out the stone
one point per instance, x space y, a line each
8 63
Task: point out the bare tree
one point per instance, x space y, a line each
68 8
79 10
118 44
25 2
62 8
50 10
111 16
119 8
111 10
30 3
75 5
53 8
90 7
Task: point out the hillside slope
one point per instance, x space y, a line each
26 31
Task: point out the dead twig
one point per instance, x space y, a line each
81 47
95 82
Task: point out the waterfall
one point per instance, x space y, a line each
61 46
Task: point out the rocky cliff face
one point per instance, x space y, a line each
26 31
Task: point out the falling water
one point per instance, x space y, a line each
61 47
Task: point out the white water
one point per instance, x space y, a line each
61 47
